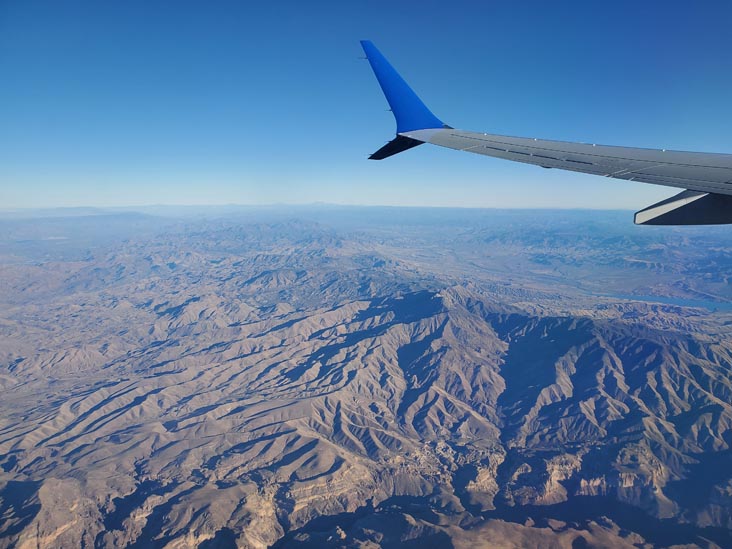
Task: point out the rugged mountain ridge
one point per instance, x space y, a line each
311 391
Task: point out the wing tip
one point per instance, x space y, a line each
409 110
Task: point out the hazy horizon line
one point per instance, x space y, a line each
21 209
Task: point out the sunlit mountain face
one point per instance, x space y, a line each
363 377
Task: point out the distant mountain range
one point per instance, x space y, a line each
364 377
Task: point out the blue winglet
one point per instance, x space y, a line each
409 111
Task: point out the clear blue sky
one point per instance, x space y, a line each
148 102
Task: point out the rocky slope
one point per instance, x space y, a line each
288 384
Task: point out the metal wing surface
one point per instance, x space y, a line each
706 172
705 177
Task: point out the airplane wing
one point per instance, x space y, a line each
706 177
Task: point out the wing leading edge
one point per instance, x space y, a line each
707 177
